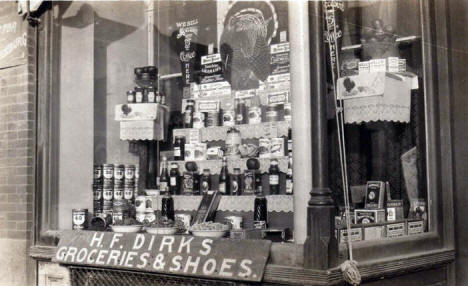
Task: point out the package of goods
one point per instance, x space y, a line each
355 234
211 69
395 210
140 111
214 153
264 147
280 97
373 232
396 229
277 147
369 216
279 58
415 226
195 151
375 195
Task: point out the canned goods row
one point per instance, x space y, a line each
117 172
114 192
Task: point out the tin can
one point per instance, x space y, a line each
229 117
117 215
185 219
128 193
198 120
236 222
167 207
272 113
97 173
107 206
80 219
255 115
100 221
118 193
212 119
129 172
233 141
119 172
140 204
97 192
108 171
107 193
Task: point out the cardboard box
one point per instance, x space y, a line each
356 234
415 227
397 229
373 232
140 111
363 216
395 210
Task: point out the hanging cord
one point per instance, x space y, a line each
349 267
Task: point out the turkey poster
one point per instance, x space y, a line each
246 32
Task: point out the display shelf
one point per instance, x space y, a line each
276 203
247 131
215 165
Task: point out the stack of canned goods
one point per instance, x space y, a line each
114 188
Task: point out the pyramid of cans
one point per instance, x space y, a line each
114 190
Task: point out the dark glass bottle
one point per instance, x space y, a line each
167 207
224 186
174 177
260 212
205 182
241 111
164 178
236 183
273 177
179 148
188 114
289 176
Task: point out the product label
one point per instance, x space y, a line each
118 194
205 186
107 194
163 187
279 48
391 214
222 188
139 97
173 181
188 182
128 194
235 187
177 151
151 97
274 179
289 186
208 106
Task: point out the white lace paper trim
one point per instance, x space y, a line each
215 165
277 203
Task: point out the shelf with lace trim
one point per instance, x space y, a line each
276 203
248 131
215 165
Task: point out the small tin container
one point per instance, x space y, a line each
272 113
107 193
129 172
138 95
129 193
229 117
118 193
140 204
150 95
198 120
80 219
236 222
97 192
212 119
108 171
97 173
119 172
255 115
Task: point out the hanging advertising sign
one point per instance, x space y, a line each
213 258
13 36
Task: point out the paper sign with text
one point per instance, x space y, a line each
174 254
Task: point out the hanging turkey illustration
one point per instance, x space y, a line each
244 45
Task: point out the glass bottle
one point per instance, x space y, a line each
289 176
167 207
273 177
224 186
236 183
260 212
188 113
174 185
164 178
205 182
179 148
138 95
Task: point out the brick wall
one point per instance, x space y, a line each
17 151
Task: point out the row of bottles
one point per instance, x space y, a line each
192 183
